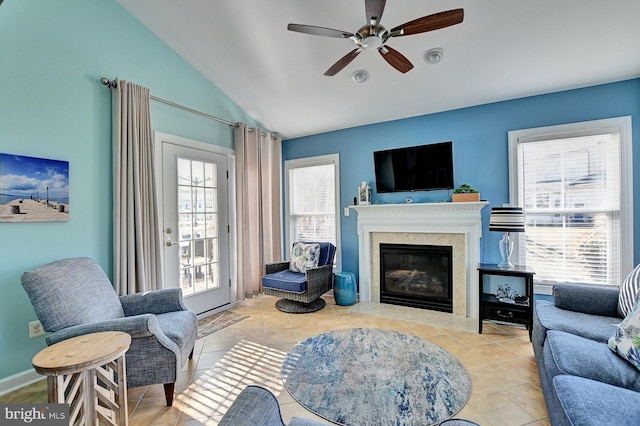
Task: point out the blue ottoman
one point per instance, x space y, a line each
344 288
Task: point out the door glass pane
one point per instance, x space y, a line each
198 225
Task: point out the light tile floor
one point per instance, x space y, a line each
505 384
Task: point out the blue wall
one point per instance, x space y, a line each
480 149
52 55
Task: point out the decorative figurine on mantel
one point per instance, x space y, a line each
364 193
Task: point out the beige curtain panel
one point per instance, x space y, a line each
258 209
137 253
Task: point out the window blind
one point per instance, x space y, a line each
570 190
312 203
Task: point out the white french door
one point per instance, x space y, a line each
196 225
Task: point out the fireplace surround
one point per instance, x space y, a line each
456 224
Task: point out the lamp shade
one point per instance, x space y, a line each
506 219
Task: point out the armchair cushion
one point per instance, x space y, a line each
304 256
57 289
286 280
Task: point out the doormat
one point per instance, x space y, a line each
218 321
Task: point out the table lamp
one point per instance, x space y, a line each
506 219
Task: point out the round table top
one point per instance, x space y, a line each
81 353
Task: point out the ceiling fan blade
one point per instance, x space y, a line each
374 9
342 62
395 59
319 31
429 23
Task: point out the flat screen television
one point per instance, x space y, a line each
415 168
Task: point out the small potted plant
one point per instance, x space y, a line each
465 193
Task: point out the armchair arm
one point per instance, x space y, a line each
320 278
153 302
136 326
586 298
270 268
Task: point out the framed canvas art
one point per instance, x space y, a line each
33 189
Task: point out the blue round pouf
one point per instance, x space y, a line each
344 288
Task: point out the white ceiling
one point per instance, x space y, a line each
504 49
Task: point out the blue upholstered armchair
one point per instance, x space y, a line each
301 281
73 297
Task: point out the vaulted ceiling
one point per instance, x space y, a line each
504 49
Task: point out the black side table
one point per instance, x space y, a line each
520 280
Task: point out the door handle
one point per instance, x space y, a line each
170 243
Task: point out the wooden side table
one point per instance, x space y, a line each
520 278
89 374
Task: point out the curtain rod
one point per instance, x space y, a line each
112 84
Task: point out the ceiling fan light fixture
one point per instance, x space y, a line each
433 56
360 76
371 42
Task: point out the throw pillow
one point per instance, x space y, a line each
304 256
626 339
629 292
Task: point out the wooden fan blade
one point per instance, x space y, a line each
374 9
429 23
319 31
395 59
342 62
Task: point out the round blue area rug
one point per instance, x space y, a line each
370 376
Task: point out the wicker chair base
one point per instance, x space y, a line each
294 307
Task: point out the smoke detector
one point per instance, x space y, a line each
360 76
433 56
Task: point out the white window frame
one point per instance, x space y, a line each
321 160
585 128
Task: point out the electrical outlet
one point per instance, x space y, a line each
35 329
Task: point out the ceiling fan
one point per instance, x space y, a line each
375 36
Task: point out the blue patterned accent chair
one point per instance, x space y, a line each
258 406
301 286
73 297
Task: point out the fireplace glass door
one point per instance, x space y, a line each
416 275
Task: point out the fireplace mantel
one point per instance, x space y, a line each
422 218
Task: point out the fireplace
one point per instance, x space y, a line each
458 225
417 275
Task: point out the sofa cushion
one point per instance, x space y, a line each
629 292
594 327
304 256
565 353
626 338
286 281
590 403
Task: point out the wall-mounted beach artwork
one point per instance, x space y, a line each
33 189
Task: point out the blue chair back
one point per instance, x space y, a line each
327 252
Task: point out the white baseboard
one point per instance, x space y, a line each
17 381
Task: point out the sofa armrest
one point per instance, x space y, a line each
153 302
588 299
137 326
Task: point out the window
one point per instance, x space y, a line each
574 183
312 196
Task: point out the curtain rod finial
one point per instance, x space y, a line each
105 81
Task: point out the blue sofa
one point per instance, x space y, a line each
583 381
